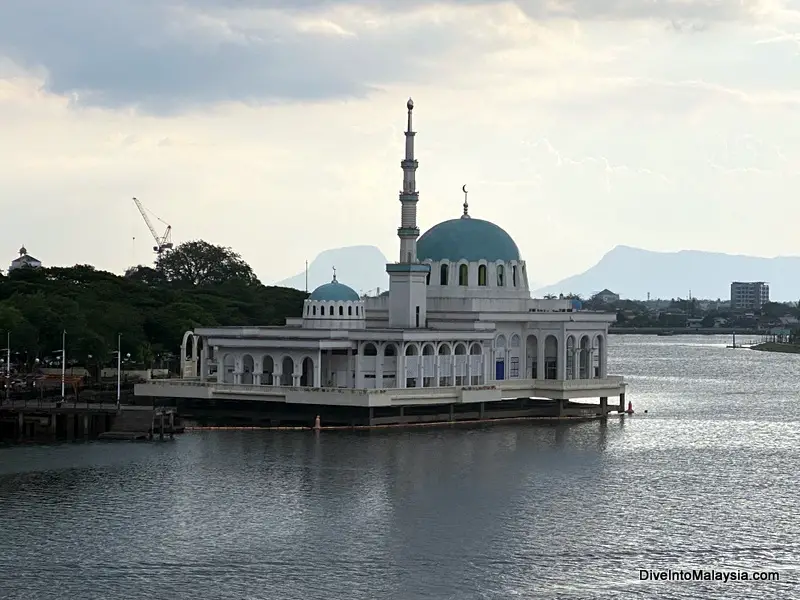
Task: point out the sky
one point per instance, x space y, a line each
275 127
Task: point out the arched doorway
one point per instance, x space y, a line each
570 358
412 365
307 375
476 366
460 357
551 357
500 358
445 364
428 367
287 371
267 369
532 352
228 367
248 365
584 357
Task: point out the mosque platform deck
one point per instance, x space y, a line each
224 404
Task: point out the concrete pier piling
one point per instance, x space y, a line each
39 420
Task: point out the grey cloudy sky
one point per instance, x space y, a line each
275 126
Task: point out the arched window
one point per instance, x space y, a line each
463 275
514 275
356 311
443 272
341 311
314 310
482 275
428 278
349 311
501 272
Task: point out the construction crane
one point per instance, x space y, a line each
163 242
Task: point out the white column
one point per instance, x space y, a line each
603 360
318 369
590 365
277 372
576 363
400 377
358 383
204 361
379 368
561 364
540 356
420 370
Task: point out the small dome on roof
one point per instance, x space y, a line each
335 292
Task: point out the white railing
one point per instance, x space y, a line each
506 384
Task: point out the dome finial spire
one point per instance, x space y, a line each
466 203
334 275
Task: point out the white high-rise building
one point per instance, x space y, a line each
749 295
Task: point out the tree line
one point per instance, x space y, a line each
196 284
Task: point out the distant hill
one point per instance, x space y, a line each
633 272
363 268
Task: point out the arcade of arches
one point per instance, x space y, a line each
412 364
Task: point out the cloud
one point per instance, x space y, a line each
164 56
173 55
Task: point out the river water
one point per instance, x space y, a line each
707 479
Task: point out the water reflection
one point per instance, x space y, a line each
522 510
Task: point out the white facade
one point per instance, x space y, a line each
24 260
458 314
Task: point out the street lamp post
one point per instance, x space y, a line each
64 362
119 368
8 364
63 351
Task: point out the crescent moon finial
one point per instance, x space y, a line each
464 188
466 204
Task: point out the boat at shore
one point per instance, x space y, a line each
665 333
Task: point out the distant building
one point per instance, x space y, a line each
24 260
750 295
607 296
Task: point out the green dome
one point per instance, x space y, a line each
468 239
334 292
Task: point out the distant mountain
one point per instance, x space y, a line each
363 268
633 272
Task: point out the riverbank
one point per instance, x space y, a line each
776 347
683 330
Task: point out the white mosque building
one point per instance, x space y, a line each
457 336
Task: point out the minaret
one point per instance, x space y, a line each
408 291
408 232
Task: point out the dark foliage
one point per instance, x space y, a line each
149 309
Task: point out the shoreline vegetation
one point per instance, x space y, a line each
777 347
683 330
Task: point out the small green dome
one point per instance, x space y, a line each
466 239
334 292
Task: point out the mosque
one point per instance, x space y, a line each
456 336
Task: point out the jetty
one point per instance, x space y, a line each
22 420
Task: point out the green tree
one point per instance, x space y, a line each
150 313
200 263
